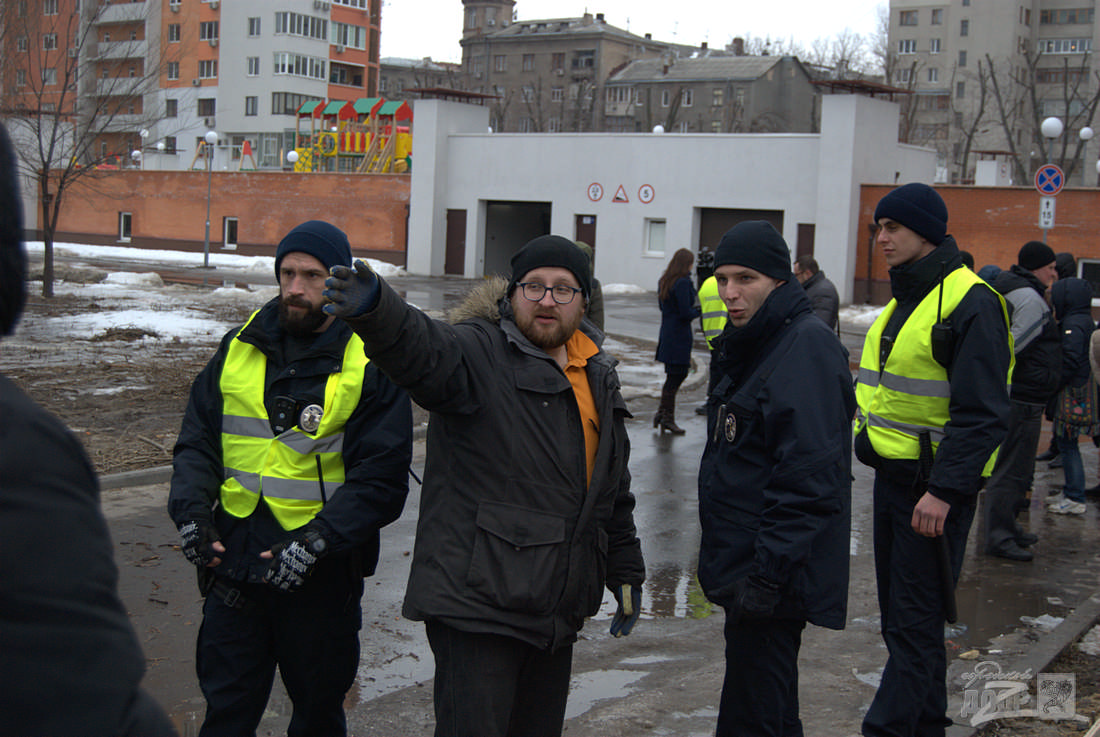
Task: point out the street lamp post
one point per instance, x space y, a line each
1051 128
211 138
160 154
143 133
1085 134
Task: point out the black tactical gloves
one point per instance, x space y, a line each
198 538
293 560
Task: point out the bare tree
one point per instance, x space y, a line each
73 101
971 116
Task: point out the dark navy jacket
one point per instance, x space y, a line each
677 312
1072 300
775 479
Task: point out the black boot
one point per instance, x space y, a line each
668 413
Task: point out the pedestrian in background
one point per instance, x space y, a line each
1038 354
933 406
71 662
293 453
676 298
1066 266
1075 411
775 480
526 512
594 310
822 293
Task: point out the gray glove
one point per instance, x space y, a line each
294 559
351 293
198 537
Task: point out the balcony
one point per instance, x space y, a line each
121 87
121 12
123 50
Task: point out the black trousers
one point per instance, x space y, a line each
1007 488
760 690
912 696
489 685
313 637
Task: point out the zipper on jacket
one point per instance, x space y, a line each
321 480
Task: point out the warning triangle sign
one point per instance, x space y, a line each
620 195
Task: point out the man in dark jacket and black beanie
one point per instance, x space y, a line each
933 406
294 452
526 512
1037 344
71 662
775 480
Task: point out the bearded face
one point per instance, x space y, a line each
547 324
301 287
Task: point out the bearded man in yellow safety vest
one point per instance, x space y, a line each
294 452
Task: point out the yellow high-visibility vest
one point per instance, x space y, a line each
294 471
714 312
912 393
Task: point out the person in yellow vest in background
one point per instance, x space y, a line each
294 451
713 318
933 406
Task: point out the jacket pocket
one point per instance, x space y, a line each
597 581
517 558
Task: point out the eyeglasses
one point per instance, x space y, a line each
561 293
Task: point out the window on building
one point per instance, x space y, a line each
716 97
527 93
557 94
288 103
253 27
933 74
173 33
526 125
300 65
1065 46
964 27
528 62
933 46
171 107
907 46
251 106
172 69
962 57
1067 16
252 63
903 75
557 62
584 59
49 7
296 24
1025 16
49 41
907 18
169 144
208 30
687 98
500 63
665 98
206 107
960 89
553 125
654 237
20 77
21 43
49 75
966 3
125 223
937 16
208 68
348 35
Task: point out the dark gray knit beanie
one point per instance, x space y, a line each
757 245
325 242
552 250
919 208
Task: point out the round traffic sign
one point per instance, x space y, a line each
1049 179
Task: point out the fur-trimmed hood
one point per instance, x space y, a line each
483 302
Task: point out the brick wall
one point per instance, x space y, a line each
990 222
169 209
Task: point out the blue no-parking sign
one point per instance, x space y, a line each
1049 180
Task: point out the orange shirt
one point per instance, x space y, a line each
578 350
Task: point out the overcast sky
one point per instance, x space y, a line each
418 28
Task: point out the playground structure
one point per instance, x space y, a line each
362 137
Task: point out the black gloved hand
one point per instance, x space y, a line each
292 560
630 608
351 292
198 538
758 597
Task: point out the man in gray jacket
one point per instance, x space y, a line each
526 511
822 293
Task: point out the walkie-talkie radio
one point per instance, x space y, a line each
943 337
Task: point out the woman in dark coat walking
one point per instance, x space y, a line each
676 297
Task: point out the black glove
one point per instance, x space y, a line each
630 608
198 538
758 597
351 293
293 560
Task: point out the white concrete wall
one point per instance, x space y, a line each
810 178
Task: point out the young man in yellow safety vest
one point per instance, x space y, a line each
294 452
933 406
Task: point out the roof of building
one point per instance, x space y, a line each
544 27
705 68
426 63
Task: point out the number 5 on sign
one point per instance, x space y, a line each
1046 213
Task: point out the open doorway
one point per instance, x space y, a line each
509 225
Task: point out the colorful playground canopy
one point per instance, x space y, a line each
362 109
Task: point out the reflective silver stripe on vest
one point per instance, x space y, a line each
937 434
933 388
867 377
248 427
304 444
250 481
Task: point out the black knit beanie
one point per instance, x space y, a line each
13 260
757 245
552 250
919 208
1035 255
326 243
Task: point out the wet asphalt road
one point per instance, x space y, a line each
665 678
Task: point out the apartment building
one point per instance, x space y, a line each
951 53
713 94
400 78
170 70
548 75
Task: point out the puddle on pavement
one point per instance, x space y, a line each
586 689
